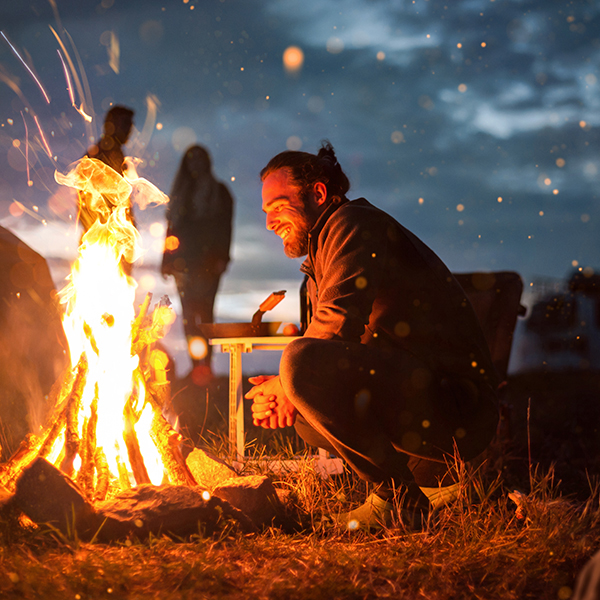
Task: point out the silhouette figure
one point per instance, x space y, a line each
199 217
117 127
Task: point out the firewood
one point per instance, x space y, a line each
103 474
124 482
41 445
75 393
167 441
72 441
85 477
136 460
147 334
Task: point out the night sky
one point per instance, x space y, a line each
474 122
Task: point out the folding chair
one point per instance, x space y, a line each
496 299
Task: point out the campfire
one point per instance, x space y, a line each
106 429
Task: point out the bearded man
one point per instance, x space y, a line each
393 373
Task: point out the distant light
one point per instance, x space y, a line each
555 192
560 162
483 44
421 201
293 143
381 55
397 137
15 209
16 143
159 126
547 181
462 88
293 59
582 124
157 230
172 243
541 213
574 263
499 199
232 178
459 45
197 347
428 36
460 207
334 45
585 218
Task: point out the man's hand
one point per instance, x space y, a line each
271 408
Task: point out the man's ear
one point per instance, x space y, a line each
320 192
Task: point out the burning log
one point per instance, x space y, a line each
41 445
103 474
136 460
87 451
167 442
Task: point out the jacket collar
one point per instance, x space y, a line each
313 235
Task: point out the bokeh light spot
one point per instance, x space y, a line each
197 347
334 45
293 59
397 137
293 143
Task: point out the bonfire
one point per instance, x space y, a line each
106 429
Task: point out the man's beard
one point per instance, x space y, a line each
296 245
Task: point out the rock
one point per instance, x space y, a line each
254 495
171 509
46 495
209 471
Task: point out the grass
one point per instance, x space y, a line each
476 548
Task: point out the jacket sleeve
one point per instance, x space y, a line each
349 271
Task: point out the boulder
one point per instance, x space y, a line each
255 496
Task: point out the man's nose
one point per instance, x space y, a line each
271 222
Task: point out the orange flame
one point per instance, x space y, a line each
99 313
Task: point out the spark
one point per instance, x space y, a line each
27 67
29 182
114 52
46 145
80 110
31 213
68 78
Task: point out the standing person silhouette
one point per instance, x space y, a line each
199 217
118 124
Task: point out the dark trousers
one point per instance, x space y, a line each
197 294
385 412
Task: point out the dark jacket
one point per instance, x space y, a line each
204 241
372 281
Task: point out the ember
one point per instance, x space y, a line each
107 430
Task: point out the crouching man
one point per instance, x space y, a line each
393 372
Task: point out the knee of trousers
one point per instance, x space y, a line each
297 367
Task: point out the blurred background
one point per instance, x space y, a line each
474 122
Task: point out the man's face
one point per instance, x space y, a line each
289 215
